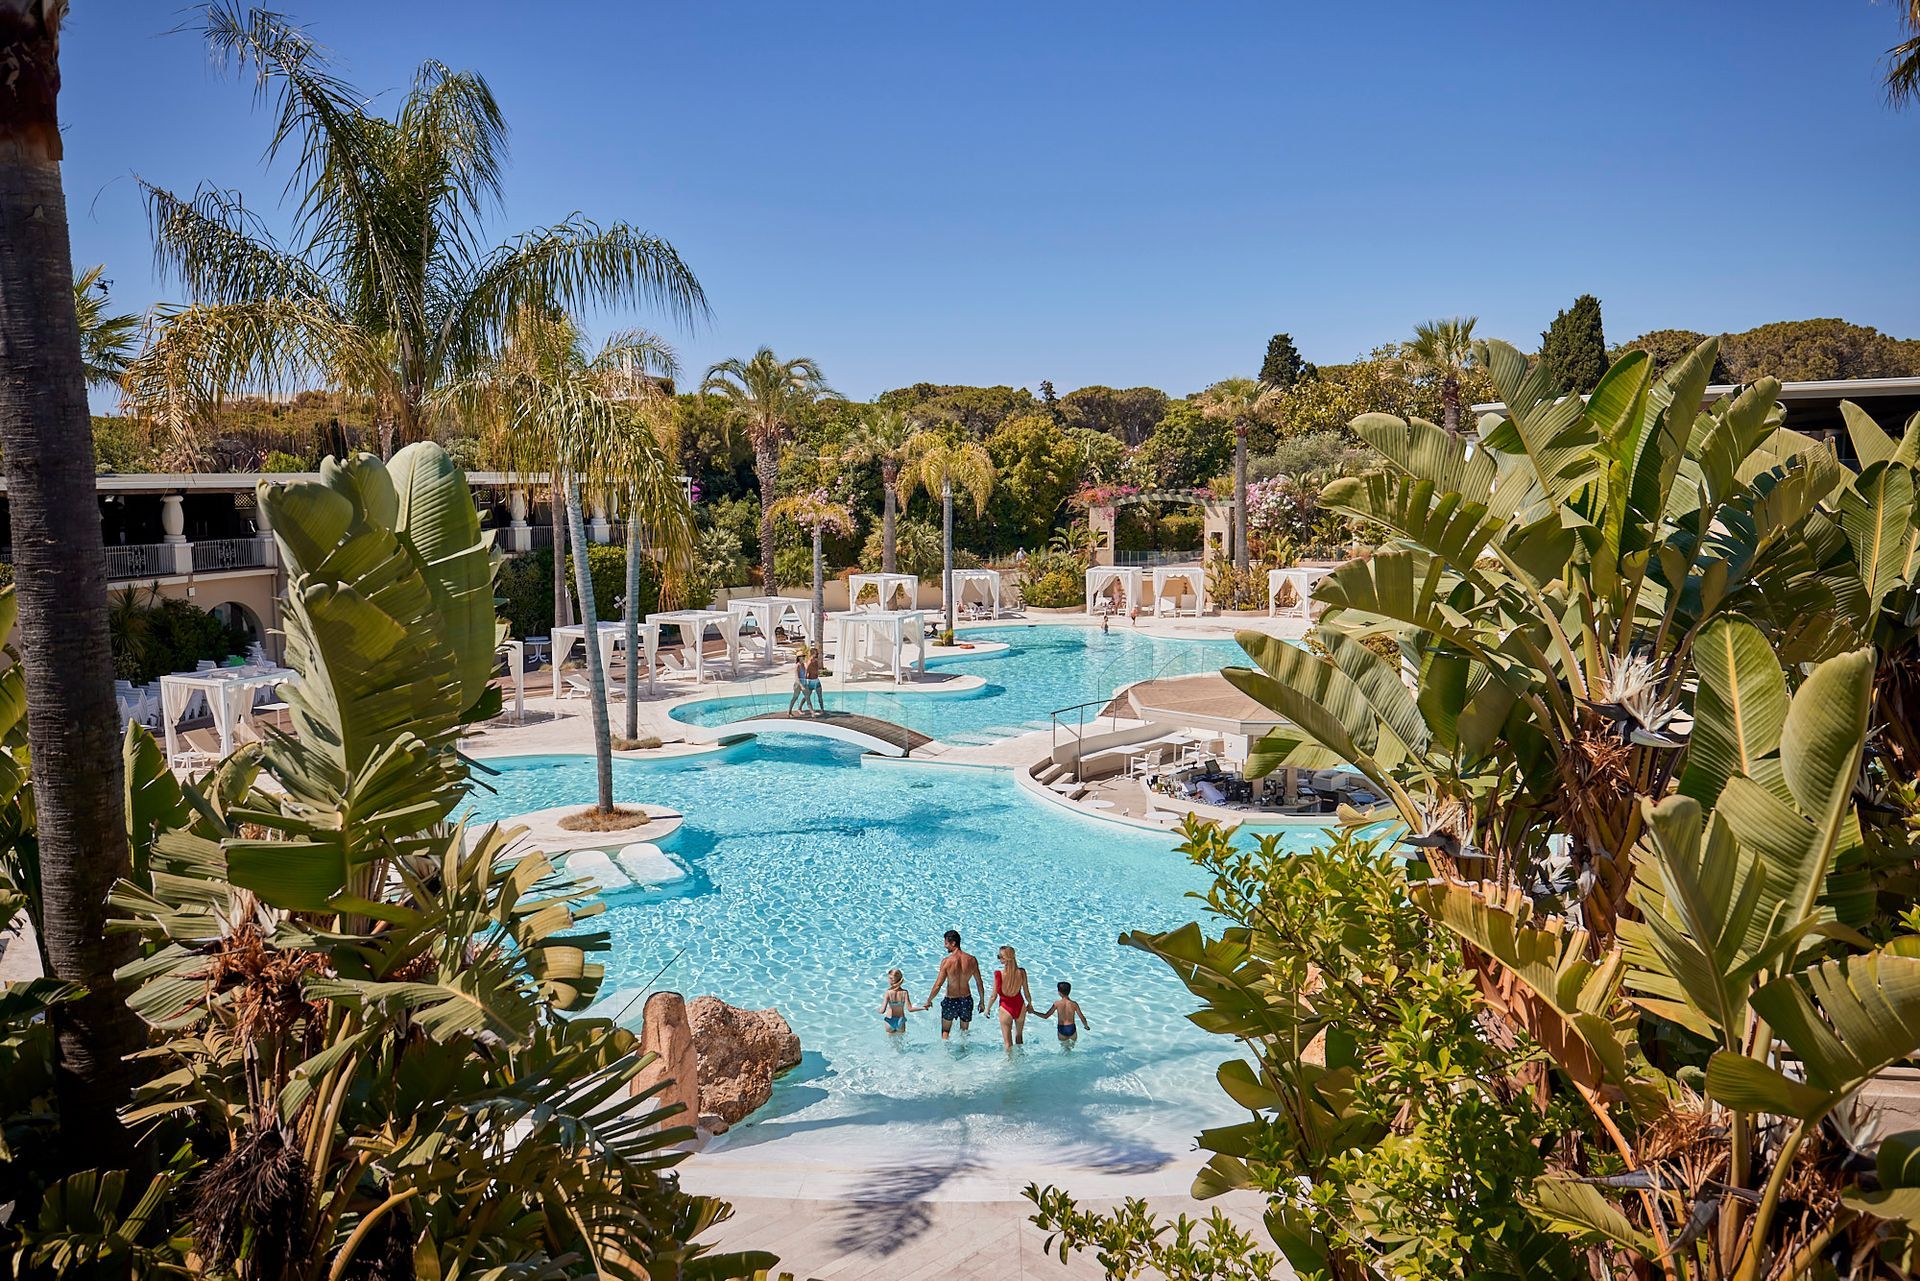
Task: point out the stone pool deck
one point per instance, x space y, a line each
900 1238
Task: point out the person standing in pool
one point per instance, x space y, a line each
1015 997
1068 1018
959 975
896 1004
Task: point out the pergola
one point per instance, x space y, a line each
768 612
609 634
229 692
1101 577
1194 579
693 624
860 627
987 580
885 585
1303 581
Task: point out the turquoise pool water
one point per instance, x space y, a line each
812 875
1046 668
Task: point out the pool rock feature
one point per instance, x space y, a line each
740 1053
664 1033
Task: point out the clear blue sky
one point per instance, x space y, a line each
1117 193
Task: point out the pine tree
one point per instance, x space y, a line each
1573 348
1049 400
1283 366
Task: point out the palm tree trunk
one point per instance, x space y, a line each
1450 404
632 613
1240 553
946 550
60 568
596 674
557 511
889 478
819 595
766 464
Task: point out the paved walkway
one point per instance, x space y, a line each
904 1239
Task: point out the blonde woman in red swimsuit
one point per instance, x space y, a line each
1015 998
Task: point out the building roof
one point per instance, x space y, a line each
1206 701
1834 389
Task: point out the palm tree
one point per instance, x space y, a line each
939 464
767 395
72 724
1444 348
1903 60
106 342
1242 402
882 437
549 403
387 289
819 513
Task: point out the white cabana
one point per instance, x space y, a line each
769 612
611 635
1303 581
229 692
1191 578
886 585
857 631
1101 577
693 624
986 580
516 652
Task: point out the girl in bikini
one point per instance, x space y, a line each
896 1004
1011 991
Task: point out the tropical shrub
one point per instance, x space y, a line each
1648 644
153 635
368 1054
1381 1125
916 549
278 460
1054 580
793 567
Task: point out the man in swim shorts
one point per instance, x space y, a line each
959 974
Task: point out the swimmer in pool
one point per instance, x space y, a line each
896 1004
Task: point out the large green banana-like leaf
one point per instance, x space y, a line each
1698 944
1546 983
1871 443
1379 681
1618 408
1878 514
154 799
1802 836
1553 429
1426 451
1568 1205
1439 523
437 522
1844 1020
1738 712
1675 398
1400 587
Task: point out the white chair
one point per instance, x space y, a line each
1140 763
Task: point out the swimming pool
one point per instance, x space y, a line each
1046 668
812 875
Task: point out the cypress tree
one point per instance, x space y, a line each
1283 366
1573 348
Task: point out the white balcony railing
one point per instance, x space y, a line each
213 554
140 560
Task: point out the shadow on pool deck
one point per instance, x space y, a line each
888 1210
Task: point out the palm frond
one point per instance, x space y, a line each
106 342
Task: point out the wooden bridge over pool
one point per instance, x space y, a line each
870 732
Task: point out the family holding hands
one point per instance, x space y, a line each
958 977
